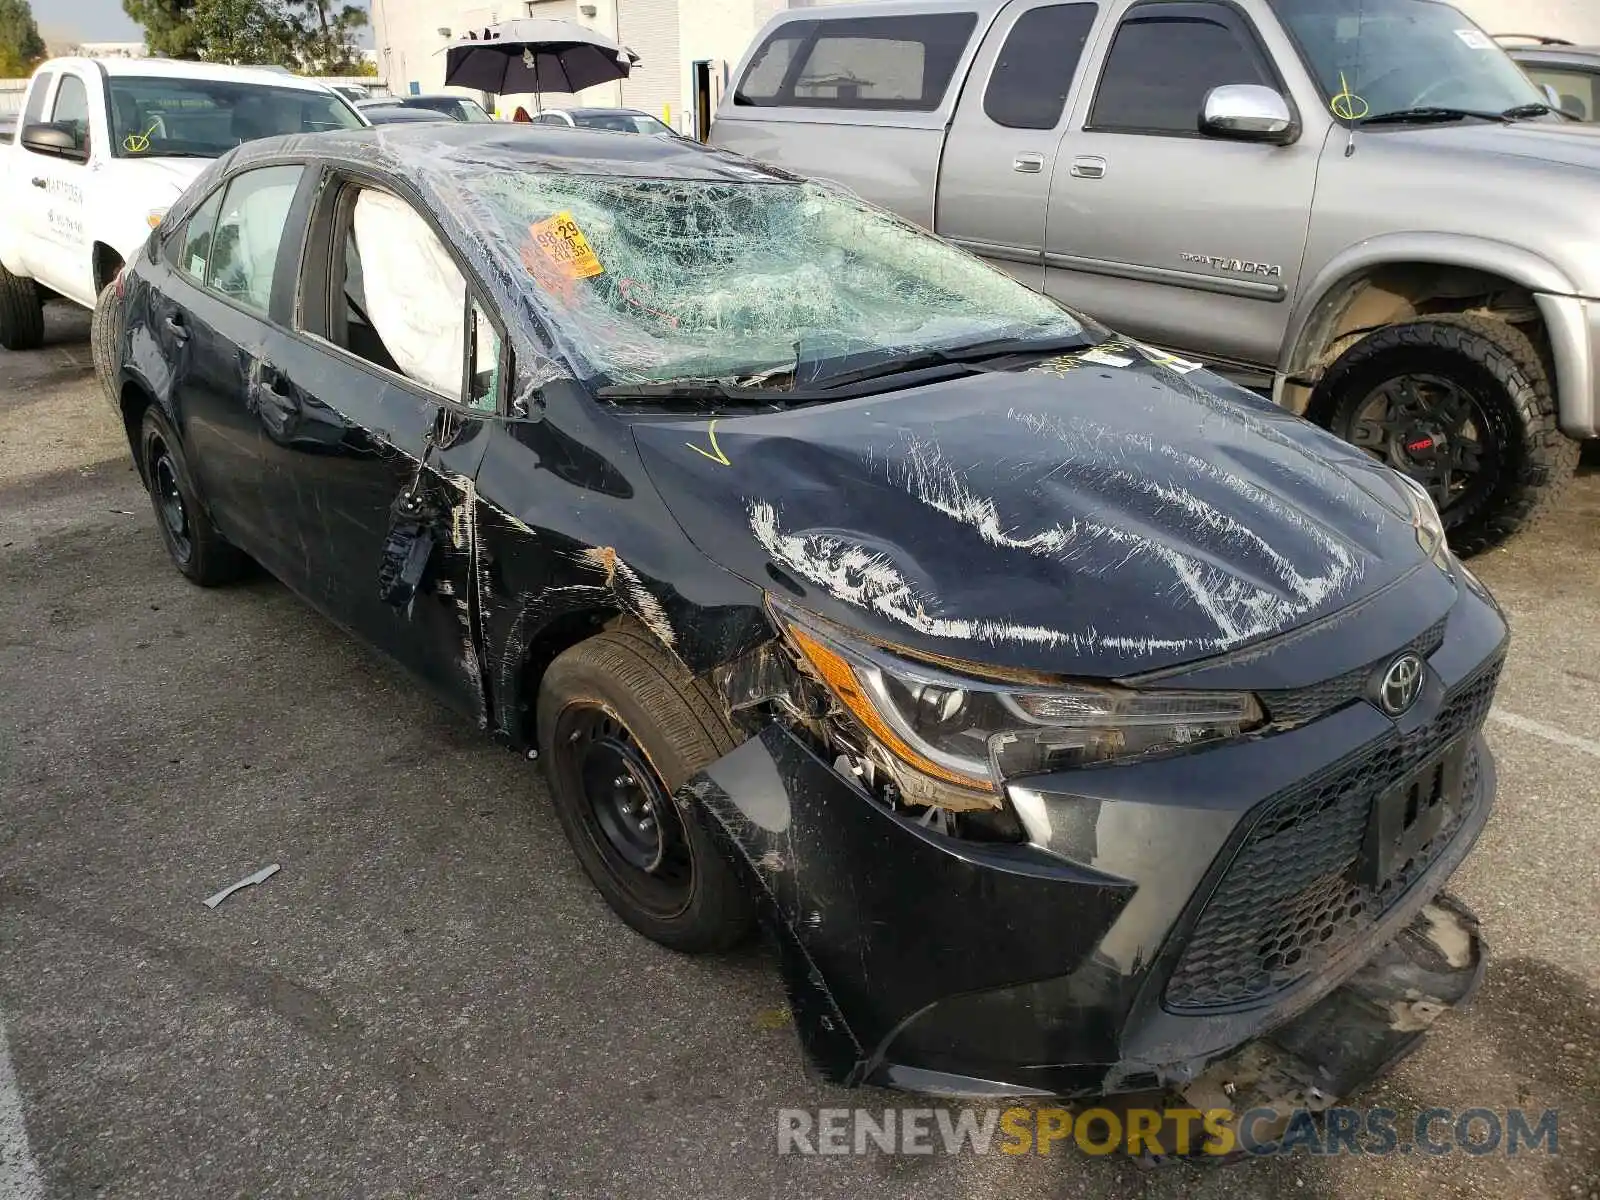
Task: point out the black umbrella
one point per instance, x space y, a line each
536 55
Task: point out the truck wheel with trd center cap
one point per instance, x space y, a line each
1465 406
621 727
21 313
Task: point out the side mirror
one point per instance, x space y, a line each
1248 112
54 141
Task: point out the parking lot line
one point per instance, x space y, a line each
19 1176
1548 732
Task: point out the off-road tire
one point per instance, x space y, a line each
102 346
21 313
1504 370
210 559
679 726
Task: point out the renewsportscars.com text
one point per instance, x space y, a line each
1182 1131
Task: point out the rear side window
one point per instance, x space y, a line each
194 244
34 112
72 109
244 249
876 63
1036 66
1575 89
1164 61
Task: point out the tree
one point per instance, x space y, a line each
168 26
243 32
21 47
310 36
327 42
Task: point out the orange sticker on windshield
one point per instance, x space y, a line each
561 241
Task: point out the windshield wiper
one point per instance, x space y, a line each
1526 112
704 391
1429 113
974 354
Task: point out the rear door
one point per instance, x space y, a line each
999 158
386 387
1187 240
211 323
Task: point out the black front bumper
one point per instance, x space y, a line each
1172 911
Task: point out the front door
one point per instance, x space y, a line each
63 258
1156 229
994 178
374 413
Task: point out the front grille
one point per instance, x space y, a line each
1297 706
1290 900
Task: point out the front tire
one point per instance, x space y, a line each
201 554
21 313
1465 406
102 343
621 727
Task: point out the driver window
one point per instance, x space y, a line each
72 110
404 302
1162 66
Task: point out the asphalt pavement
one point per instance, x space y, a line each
428 999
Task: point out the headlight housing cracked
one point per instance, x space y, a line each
952 736
1425 519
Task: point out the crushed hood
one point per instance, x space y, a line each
1072 518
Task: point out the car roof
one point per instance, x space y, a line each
167 68
422 151
608 112
1573 56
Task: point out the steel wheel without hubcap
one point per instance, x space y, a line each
627 812
1434 430
169 502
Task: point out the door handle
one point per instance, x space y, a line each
1093 167
177 329
1028 164
40 183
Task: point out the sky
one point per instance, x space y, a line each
85 21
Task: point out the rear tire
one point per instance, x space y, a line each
21 313
621 727
1465 406
102 343
201 554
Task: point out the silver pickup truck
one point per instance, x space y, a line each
1363 203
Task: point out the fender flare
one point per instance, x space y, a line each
1488 255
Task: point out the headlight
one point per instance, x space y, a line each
1425 520
953 737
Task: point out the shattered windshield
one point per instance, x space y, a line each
654 281
1374 57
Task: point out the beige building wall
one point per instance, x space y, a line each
1574 20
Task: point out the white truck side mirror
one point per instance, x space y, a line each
1248 112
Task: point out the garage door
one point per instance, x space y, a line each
650 29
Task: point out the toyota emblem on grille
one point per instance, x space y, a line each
1402 684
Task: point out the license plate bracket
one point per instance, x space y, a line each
1408 816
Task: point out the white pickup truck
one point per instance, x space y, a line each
104 146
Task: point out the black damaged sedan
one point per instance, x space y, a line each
1076 722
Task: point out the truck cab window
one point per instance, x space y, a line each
1165 59
894 64
1031 78
34 112
72 110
